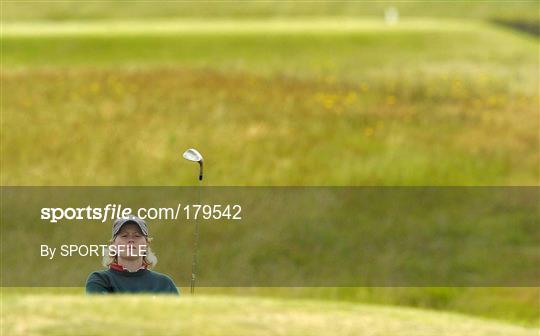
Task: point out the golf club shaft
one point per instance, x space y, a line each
195 246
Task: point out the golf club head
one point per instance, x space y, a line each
193 155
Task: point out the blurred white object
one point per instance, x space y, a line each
391 16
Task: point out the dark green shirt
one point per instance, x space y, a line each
141 281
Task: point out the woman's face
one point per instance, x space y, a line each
131 239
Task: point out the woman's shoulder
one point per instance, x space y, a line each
166 281
98 282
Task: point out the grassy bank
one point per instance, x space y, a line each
45 314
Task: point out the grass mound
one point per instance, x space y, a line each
225 315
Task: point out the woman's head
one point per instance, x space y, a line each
131 242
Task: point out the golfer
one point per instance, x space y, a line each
129 263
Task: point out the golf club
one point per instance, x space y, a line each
193 155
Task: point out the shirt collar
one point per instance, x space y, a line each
121 268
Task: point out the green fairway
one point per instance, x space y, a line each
35 314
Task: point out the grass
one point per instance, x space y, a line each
89 10
394 120
318 25
230 315
510 304
310 237
430 101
